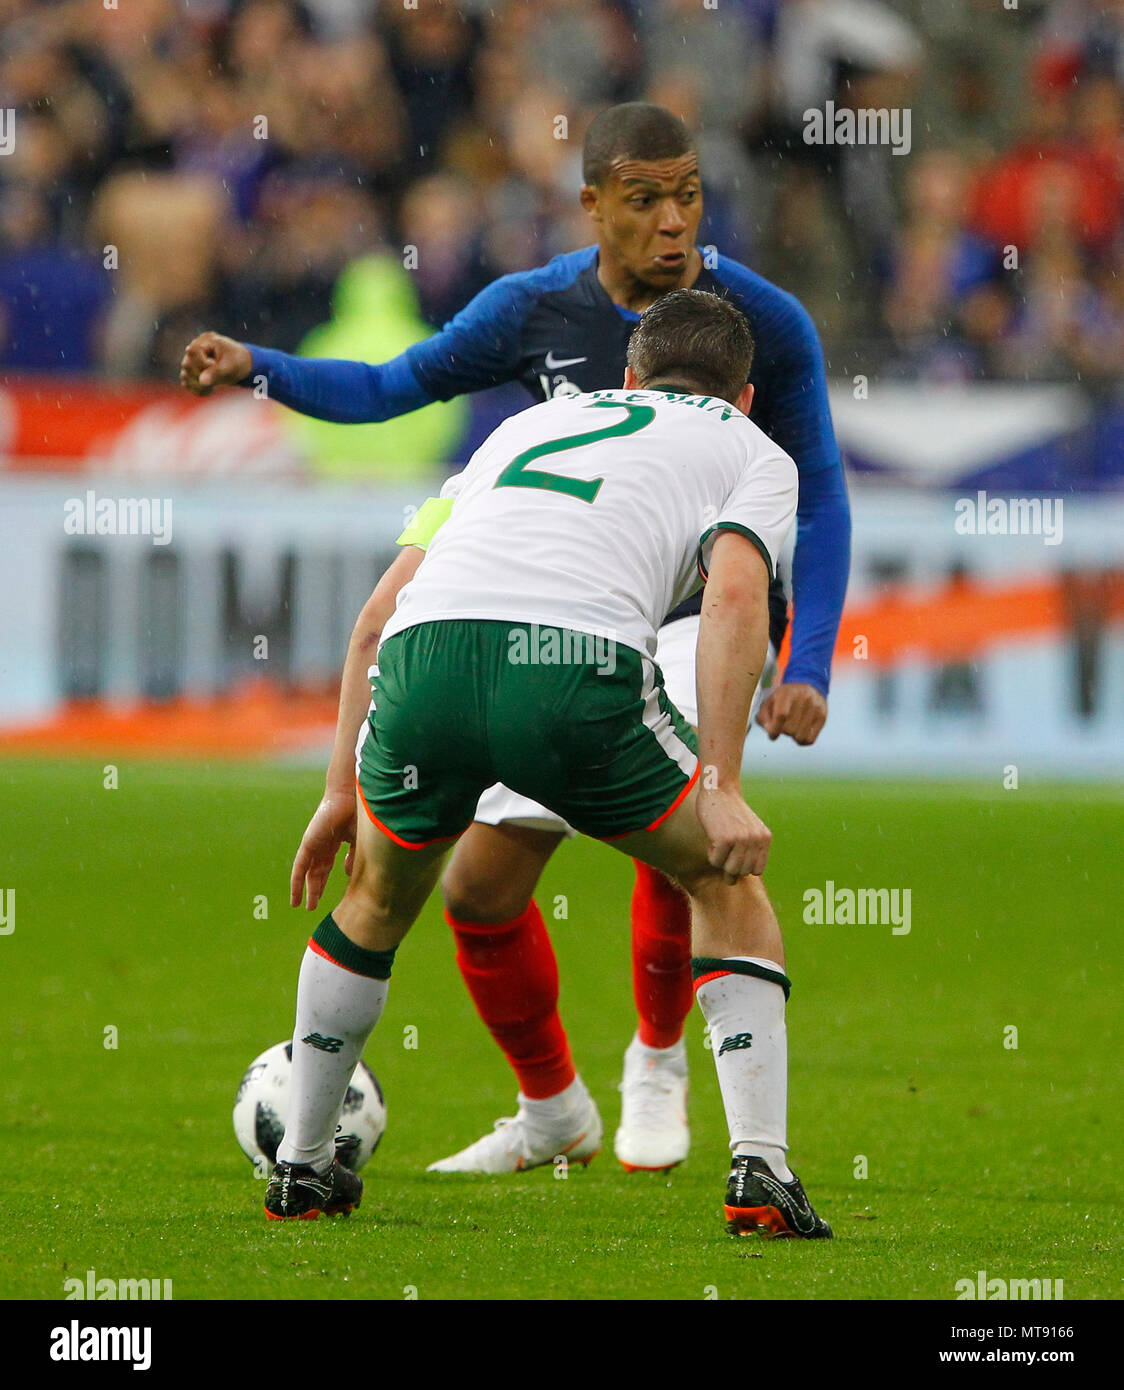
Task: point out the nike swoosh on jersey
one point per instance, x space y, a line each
552 364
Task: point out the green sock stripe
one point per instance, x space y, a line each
710 965
376 965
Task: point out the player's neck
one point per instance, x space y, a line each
625 289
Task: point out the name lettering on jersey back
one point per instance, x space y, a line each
705 403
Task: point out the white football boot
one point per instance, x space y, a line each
653 1134
542 1131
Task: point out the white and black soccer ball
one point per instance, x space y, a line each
261 1109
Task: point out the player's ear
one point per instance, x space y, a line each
589 199
745 399
631 383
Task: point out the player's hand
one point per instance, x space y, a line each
738 838
794 709
332 825
212 360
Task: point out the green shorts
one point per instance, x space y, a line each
578 723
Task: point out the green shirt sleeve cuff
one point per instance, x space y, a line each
742 531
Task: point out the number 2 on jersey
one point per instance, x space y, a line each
517 474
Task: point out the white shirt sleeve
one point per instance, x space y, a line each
761 506
451 487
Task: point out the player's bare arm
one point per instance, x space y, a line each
213 360
733 644
333 822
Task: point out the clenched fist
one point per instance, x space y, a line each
738 838
795 709
213 360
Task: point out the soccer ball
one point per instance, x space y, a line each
261 1108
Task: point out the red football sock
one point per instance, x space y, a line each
661 957
512 975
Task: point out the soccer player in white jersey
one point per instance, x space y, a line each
529 660
561 329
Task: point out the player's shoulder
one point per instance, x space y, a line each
557 274
746 436
501 307
765 303
759 445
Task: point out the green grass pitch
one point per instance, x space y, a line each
135 910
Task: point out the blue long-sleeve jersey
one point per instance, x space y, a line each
556 330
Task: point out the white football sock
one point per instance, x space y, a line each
745 1018
337 1009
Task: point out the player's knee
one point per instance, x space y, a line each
708 885
739 916
379 910
698 881
470 895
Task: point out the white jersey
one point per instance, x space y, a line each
597 513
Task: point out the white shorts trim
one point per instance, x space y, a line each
675 655
499 805
365 727
661 725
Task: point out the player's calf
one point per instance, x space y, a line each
512 975
494 870
738 968
341 992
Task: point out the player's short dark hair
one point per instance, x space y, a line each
693 339
633 130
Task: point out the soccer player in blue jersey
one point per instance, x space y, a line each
562 329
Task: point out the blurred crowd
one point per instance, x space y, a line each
174 165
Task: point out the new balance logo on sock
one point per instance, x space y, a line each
734 1044
331 1044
